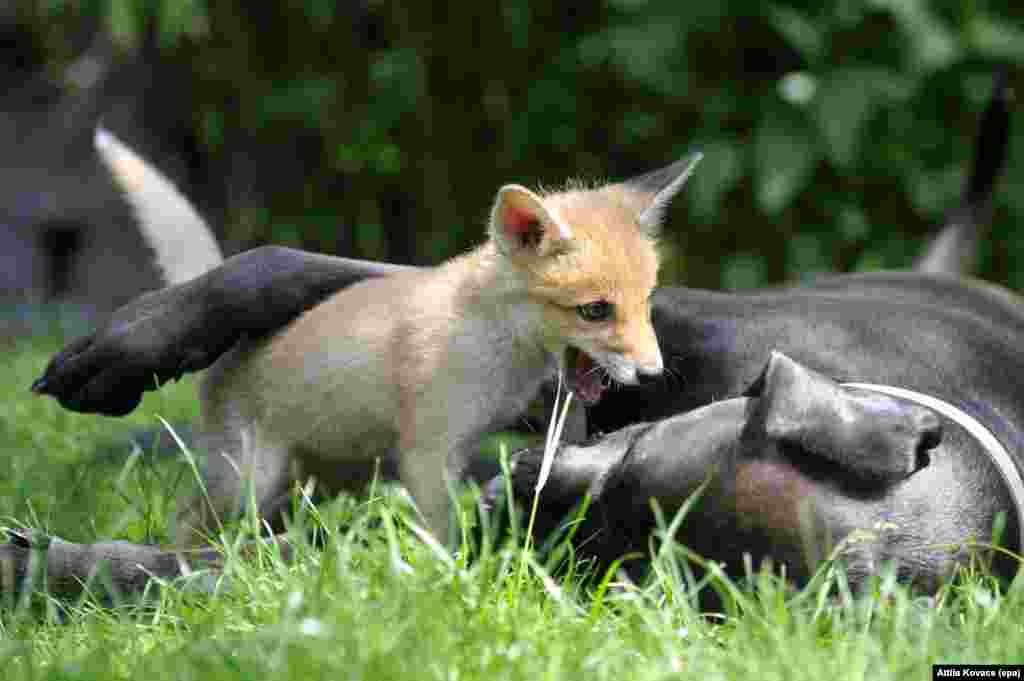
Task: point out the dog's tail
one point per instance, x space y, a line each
954 249
182 242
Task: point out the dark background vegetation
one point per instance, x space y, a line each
836 134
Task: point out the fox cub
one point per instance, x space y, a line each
416 367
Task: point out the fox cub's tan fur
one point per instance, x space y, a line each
418 366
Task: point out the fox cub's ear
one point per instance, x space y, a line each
655 190
521 225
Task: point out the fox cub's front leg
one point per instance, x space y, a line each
432 451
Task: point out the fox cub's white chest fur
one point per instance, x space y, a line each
418 366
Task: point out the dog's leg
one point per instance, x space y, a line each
124 569
167 333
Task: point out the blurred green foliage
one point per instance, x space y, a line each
836 134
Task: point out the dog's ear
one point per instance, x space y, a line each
806 413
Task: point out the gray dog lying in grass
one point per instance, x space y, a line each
823 472
799 470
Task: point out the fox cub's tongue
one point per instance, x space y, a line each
587 379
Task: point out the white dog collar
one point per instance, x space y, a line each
996 451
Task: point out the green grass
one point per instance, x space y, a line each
376 603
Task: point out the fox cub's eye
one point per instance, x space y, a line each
597 311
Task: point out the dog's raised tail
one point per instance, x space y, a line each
954 249
182 243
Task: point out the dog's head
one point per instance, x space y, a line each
775 462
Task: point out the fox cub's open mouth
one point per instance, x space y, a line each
587 379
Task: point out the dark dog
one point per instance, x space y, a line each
798 470
953 340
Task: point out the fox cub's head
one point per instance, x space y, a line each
587 257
